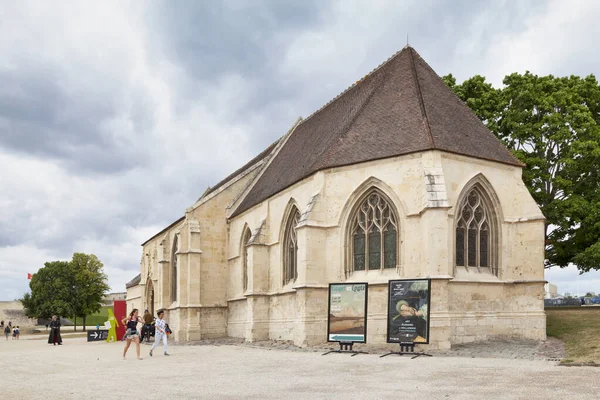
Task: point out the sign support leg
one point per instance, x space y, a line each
407 348
346 347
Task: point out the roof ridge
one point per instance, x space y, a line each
519 162
420 97
356 83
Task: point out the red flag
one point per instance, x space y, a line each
29 276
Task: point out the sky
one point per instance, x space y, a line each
115 116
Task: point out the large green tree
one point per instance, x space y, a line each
67 288
51 289
552 124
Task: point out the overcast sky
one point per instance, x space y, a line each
115 116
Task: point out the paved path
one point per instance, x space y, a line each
551 349
80 370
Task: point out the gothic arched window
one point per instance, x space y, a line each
373 234
476 232
174 270
290 247
245 240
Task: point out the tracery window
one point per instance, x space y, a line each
374 234
174 270
245 240
290 248
475 232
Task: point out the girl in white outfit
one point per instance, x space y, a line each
160 326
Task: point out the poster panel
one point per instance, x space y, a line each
347 312
408 311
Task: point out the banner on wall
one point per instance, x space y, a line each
408 311
347 312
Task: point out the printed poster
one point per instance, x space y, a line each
347 321
408 311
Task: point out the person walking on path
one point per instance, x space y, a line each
132 332
54 337
7 332
160 332
148 319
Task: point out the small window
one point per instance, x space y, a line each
246 239
290 248
174 270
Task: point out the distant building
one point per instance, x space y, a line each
550 291
109 298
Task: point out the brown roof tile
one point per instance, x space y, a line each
401 107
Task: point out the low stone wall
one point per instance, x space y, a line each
13 311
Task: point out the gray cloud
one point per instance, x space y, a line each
114 121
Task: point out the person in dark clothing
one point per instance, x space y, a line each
147 328
54 337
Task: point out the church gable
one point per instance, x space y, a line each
402 107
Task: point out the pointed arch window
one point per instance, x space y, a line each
174 270
290 247
245 241
374 234
476 232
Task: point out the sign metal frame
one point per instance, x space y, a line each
389 305
365 310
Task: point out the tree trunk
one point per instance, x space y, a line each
75 326
84 322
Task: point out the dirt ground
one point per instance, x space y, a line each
32 369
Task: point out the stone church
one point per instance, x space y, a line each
394 178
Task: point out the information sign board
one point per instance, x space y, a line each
347 312
408 311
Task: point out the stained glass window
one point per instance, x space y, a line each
473 233
374 234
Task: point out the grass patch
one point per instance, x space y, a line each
97 318
578 328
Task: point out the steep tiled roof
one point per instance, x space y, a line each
401 107
134 282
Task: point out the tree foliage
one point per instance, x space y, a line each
51 289
552 124
67 288
90 285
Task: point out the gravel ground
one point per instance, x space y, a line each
227 369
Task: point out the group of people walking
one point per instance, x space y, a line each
132 335
16 331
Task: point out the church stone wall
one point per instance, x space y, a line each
134 297
424 188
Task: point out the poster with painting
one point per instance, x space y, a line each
408 311
347 317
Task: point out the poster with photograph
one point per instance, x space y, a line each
347 317
408 311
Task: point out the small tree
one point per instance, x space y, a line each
90 285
